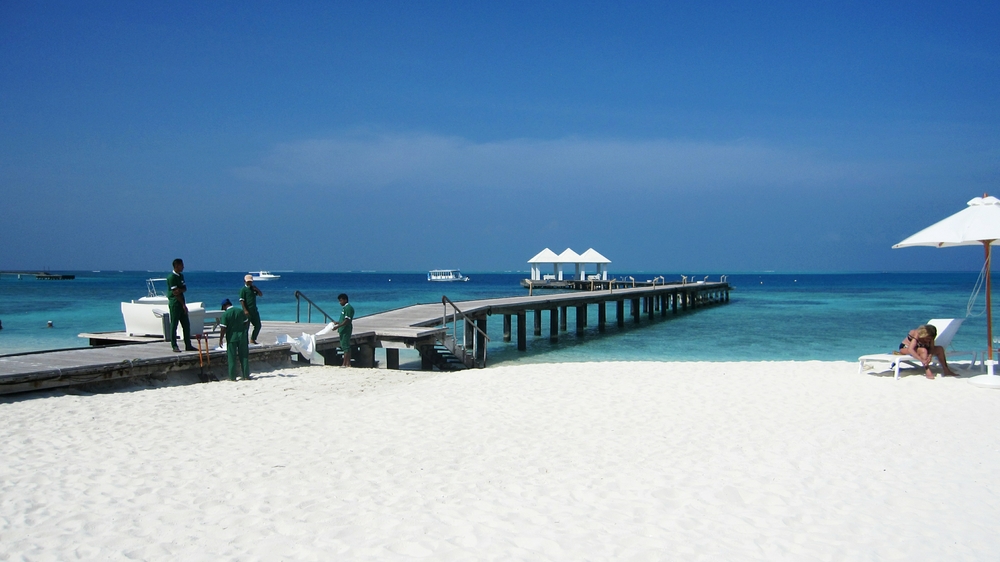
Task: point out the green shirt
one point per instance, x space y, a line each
235 322
248 296
346 313
174 281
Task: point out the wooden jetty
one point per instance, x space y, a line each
40 275
645 301
447 335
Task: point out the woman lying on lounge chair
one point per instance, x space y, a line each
919 343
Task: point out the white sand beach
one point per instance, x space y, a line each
590 461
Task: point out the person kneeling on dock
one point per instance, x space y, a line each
234 329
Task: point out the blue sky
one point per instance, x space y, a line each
674 137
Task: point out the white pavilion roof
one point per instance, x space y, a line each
593 256
568 256
545 256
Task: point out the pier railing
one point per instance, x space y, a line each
480 343
299 297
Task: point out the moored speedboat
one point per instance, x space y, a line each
263 275
446 275
144 316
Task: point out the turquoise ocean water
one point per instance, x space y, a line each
770 316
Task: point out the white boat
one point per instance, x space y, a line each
144 316
446 275
263 275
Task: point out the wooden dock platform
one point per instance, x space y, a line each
40 275
441 332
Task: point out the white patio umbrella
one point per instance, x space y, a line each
979 223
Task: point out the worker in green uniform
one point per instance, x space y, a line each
178 306
233 327
248 299
345 327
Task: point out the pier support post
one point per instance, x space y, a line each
620 313
553 325
562 318
331 356
649 308
522 330
470 334
425 358
365 356
506 327
481 341
581 319
538 321
673 299
391 358
635 310
663 305
602 315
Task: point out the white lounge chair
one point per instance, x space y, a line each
946 327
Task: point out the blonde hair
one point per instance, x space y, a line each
927 331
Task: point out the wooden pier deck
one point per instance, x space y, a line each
423 327
643 301
40 275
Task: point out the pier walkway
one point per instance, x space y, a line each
442 333
40 275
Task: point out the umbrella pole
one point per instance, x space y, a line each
989 308
989 380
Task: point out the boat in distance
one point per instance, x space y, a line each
263 275
446 275
144 316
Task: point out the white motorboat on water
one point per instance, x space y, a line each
144 316
263 275
446 275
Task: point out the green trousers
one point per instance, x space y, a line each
179 315
238 355
255 321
